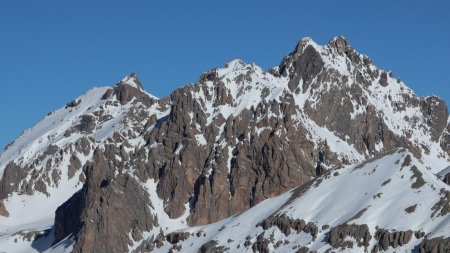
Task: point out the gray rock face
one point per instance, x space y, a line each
302 65
3 211
68 219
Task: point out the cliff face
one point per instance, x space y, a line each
343 210
120 159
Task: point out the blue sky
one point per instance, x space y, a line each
53 51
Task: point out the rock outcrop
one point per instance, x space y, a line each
3 211
445 139
10 181
105 208
435 245
339 236
392 239
288 225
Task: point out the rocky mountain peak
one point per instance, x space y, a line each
130 89
132 80
302 44
340 43
230 68
234 65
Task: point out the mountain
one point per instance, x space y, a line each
325 144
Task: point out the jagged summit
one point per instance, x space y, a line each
316 76
130 89
302 44
235 64
340 43
132 80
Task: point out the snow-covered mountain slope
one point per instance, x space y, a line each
42 168
120 159
349 209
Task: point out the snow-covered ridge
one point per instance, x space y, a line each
51 129
132 80
63 130
249 85
244 83
396 184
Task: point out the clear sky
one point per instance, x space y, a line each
53 51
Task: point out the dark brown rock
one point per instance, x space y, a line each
262 166
287 225
337 236
106 216
442 207
446 178
411 209
304 64
417 175
436 113
419 234
211 247
261 245
435 245
74 166
125 93
303 250
87 124
341 44
407 161
12 176
176 237
3 211
107 94
73 103
445 140
392 239
358 214
383 79
68 219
